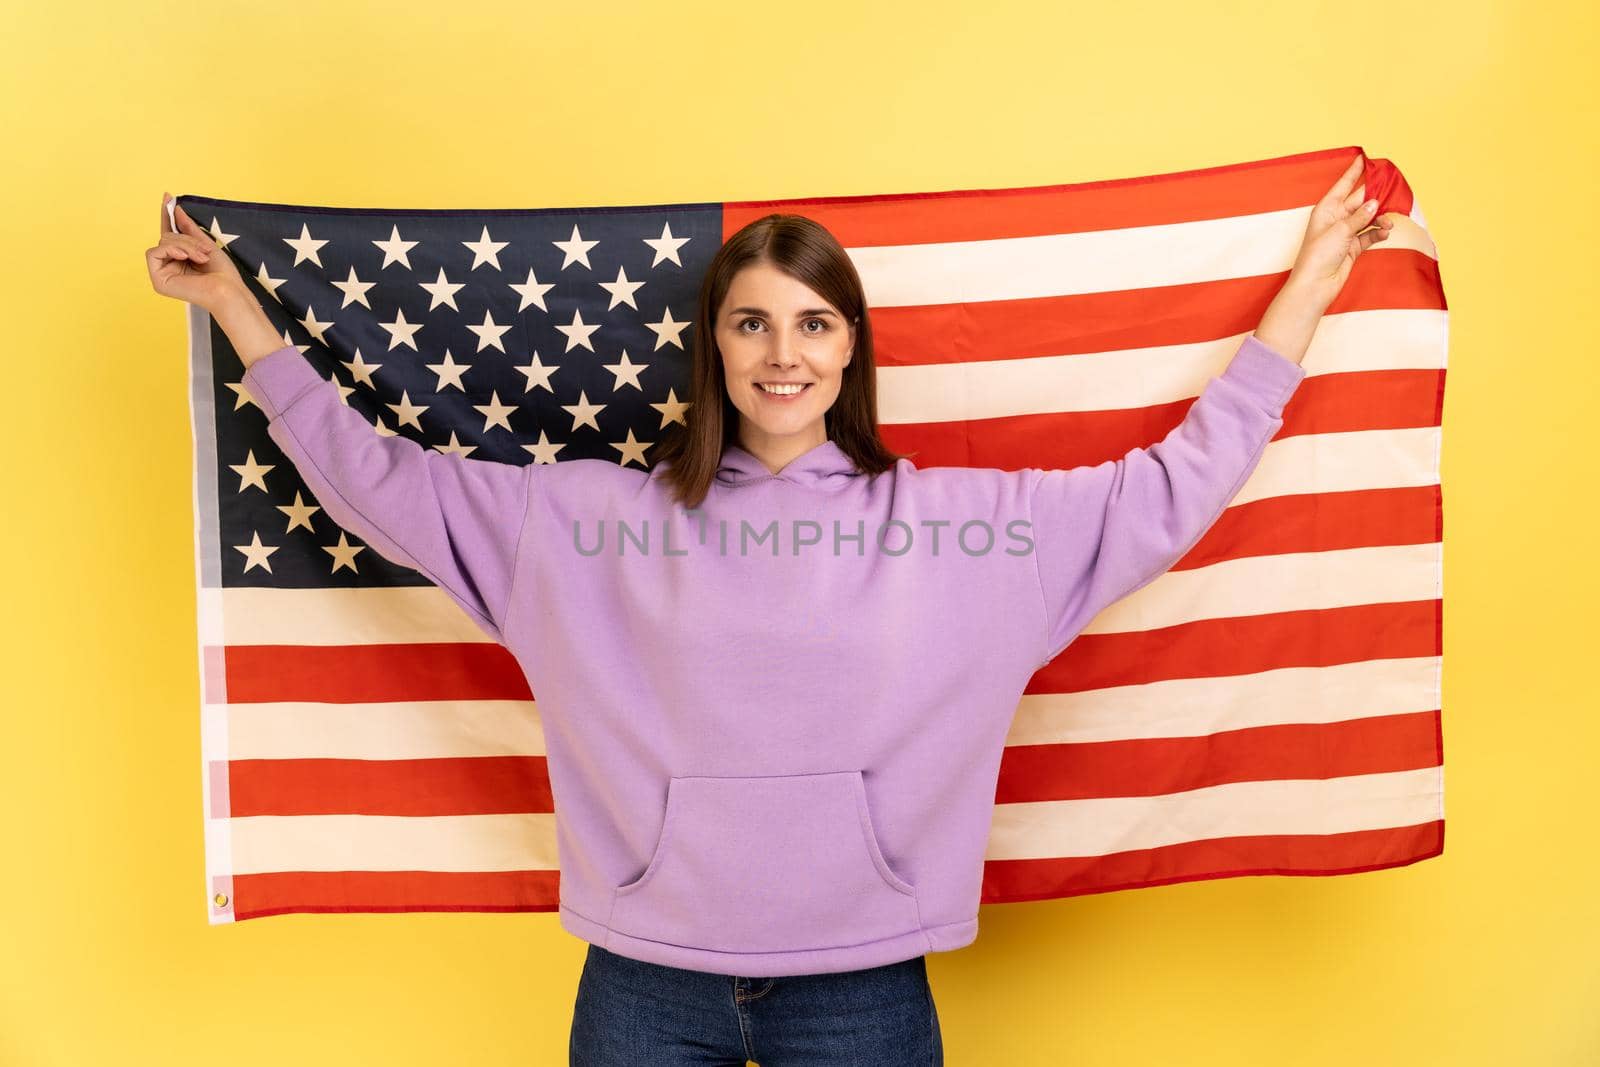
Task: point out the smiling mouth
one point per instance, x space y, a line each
783 391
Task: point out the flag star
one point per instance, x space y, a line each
667 329
485 250
299 513
578 331
443 291
269 283
544 451
343 553
243 396
495 413
305 247
672 409
383 430
223 239
537 369
621 290
406 411
449 372
344 391
354 290
489 332
456 447
396 249
627 370
632 449
532 292
576 249
256 553
360 370
666 245
313 327
401 332
288 341
253 473
583 411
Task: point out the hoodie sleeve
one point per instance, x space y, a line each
458 521
1104 531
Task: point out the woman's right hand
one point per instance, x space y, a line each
188 265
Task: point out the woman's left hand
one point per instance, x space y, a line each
1342 227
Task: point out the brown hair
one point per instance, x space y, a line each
806 251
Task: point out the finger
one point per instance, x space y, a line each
1346 182
1356 199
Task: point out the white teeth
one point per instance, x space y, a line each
781 390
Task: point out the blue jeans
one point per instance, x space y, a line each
630 1013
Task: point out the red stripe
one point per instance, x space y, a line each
475 785
277 893
1319 522
1244 644
1324 403
1005 881
350 674
1275 184
1159 765
991 330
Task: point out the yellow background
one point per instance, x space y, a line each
1485 955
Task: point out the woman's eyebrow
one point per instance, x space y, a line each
763 312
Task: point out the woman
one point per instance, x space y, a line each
774 767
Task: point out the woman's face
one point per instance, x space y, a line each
774 330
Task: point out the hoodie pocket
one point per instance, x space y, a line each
766 864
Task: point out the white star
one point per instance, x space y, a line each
344 391
383 429
666 245
313 327
672 410
544 451
406 411
252 473
449 372
456 446
354 290
396 250
305 247
256 553
401 332
537 369
360 370
344 553
443 291
621 290
485 250
576 249
578 331
495 413
489 332
223 239
242 396
632 449
299 512
583 411
286 340
667 329
532 292
627 370
269 283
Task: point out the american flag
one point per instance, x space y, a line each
1269 706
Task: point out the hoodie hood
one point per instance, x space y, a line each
825 466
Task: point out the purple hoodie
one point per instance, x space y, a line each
774 724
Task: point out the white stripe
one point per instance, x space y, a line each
263 843
1103 825
1281 581
390 614
1344 462
422 729
1139 377
1096 261
1198 707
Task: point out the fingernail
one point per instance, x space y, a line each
1371 204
